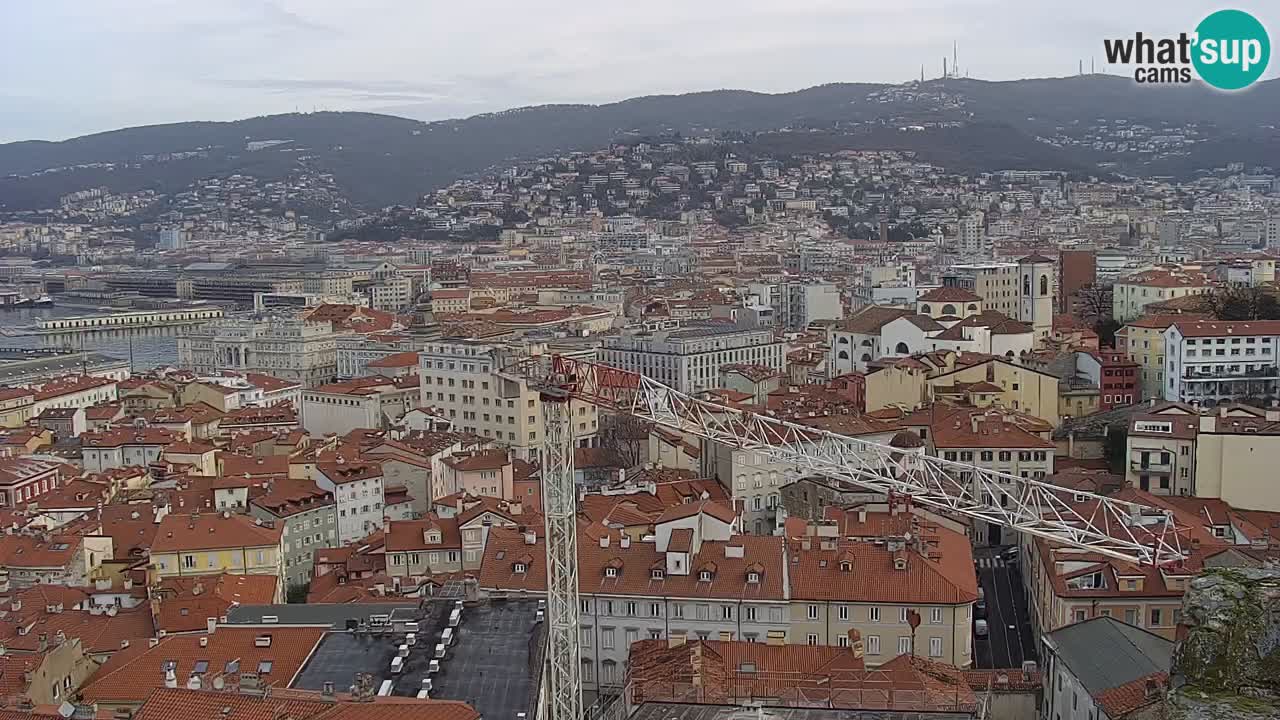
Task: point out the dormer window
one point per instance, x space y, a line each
900 563
846 566
704 576
611 572
520 568
752 577
656 574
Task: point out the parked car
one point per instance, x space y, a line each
980 628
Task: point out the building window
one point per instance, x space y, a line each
873 614
813 612
813 638
904 644
935 647
873 644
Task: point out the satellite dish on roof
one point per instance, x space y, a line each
66 709
219 683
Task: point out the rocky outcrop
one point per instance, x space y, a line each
1227 664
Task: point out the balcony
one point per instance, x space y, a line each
1152 464
1193 374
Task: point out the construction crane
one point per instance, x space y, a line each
1114 528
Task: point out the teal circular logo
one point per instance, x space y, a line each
1232 49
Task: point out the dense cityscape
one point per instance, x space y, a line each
839 434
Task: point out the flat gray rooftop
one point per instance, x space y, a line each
689 711
335 616
488 664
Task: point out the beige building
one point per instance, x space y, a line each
1228 453
421 548
869 572
467 383
16 405
697 579
980 379
213 543
1132 294
1143 341
50 677
293 349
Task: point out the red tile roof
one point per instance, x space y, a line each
949 294
185 604
130 675
508 547
182 704
208 531
1119 701
410 535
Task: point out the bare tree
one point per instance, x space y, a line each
1094 302
625 435
1243 303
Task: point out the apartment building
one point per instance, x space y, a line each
993 439
753 479
53 559
689 358
796 303
483 472
368 402
355 352
308 519
1228 452
74 391
466 382
417 549
870 572
697 579
16 406
124 447
1209 362
995 283
1143 341
358 491
23 480
1118 379
1131 294
212 543
294 349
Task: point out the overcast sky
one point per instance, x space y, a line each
77 66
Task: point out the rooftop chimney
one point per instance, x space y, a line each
170 678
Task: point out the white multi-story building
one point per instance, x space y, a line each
796 303
466 382
392 295
357 488
287 348
970 241
1215 361
368 402
689 359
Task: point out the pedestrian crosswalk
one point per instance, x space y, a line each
990 562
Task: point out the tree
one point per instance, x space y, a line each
1106 328
1243 303
1116 449
625 435
1094 302
297 593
